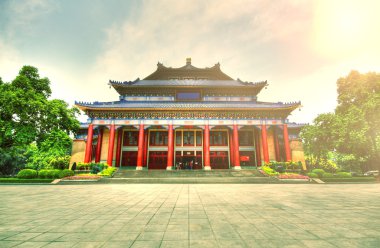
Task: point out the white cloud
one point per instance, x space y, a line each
10 62
231 32
23 13
253 40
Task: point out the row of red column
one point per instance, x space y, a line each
234 146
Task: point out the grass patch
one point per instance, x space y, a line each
17 180
349 180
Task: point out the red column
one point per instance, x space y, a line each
145 153
257 147
99 145
140 148
118 146
232 157
286 144
276 145
87 154
170 147
265 143
206 148
236 147
111 145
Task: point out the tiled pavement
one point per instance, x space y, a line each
192 215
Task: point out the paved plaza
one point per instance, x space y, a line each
190 215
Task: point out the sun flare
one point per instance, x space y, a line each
343 28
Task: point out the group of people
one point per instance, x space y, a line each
187 165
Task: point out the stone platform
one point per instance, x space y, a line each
191 215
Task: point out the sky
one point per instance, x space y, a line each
300 47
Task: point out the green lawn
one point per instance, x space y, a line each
349 180
16 180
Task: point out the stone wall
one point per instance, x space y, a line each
77 154
297 151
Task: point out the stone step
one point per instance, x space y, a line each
192 180
122 173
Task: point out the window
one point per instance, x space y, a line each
188 138
188 96
158 138
199 138
246 138
178 138
218 138
130 138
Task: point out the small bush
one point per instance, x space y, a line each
108 171
269 171
327 175
43 173
60 162
319 172
344 175
312 175
66 173
27 174
83 166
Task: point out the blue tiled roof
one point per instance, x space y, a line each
187 82
181 105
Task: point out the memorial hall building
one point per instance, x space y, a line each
187 117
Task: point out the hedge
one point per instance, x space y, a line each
319 172
17 180
27 174
312 175
349 180
66 173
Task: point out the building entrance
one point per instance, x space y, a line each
157 160
128 158
188 160
219 160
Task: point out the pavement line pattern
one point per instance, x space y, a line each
190 215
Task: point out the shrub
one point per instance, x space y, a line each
312 175
83 166
269 171
96 169
108 171
343 175
319 172
327 175
66 173
60 162
27 174
52 173
43 173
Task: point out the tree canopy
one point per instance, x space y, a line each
353 130
28 116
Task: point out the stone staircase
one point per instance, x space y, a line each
189 176
124 173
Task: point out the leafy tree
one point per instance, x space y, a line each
352 132
55 147
28 116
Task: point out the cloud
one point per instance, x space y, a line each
24 13
231 32
10 61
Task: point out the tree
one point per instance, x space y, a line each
353 130
57 144
28 116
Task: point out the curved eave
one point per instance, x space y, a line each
89 108
124 88
242 86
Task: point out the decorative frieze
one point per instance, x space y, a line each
179 115
186 122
